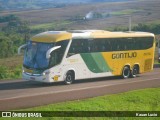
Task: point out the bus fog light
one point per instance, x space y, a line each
45 73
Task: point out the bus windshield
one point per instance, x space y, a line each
35 55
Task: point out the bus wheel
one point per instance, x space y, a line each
135 71
69 78
126 72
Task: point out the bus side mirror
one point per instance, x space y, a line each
20 48
48 54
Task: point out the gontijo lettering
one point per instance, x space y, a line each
124 55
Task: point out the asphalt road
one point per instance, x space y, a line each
18 94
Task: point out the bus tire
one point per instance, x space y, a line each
135 71
69 78
126 72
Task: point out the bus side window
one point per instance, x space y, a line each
90 42
102 45
91 45
113 44
108 45
83 46
97 45
103 48
123 44
78 46
57 55
72 49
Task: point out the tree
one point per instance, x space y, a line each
12 35
6 46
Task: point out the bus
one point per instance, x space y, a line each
67 56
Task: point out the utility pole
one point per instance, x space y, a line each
130 23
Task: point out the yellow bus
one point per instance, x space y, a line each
81 54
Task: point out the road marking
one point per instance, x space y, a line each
78 89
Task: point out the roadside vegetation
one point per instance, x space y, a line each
56 25
125 12
13 33
137 100
11 67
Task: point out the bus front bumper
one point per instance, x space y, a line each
39 78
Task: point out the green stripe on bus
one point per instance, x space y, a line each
100 61
95 62
90 62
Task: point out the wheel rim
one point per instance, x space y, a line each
134 71
69 78
126 72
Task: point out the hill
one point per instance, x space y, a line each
106 15
43 4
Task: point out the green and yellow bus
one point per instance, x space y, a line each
81 54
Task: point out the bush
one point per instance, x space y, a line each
7 73
3 72
17 72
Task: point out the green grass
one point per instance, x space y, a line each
51 25
153 22
11 68
137 100
11 62
125 12
156 62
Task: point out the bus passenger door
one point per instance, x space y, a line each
78 64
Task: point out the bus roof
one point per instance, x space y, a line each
108 34
52 36
103 34
55 36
